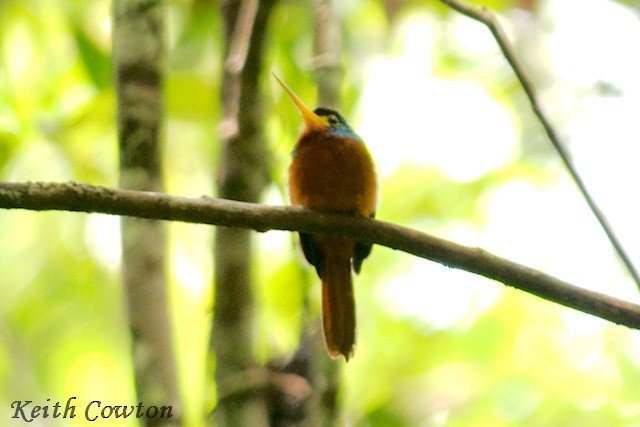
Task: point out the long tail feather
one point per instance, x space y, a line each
338 307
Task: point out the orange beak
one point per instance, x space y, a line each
311 119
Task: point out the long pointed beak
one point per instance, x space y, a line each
311 119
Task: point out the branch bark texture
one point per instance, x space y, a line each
87 198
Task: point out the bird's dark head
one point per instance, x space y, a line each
335 123
321 119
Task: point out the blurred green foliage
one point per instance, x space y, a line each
512 361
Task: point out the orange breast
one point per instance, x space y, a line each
332 173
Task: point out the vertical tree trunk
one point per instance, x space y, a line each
138 52
327 45
243 175
324 408
311 362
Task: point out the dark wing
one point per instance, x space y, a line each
360 252
312 251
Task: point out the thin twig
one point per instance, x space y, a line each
87 198
487 18
240 42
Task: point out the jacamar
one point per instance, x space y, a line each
332 170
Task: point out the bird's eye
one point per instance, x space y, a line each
333 120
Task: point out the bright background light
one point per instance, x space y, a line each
460 156
409 116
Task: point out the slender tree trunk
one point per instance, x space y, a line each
311 362
244 174
324 375
138 54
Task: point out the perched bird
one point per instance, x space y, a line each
332 171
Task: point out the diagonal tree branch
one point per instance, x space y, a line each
88 198
484 16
